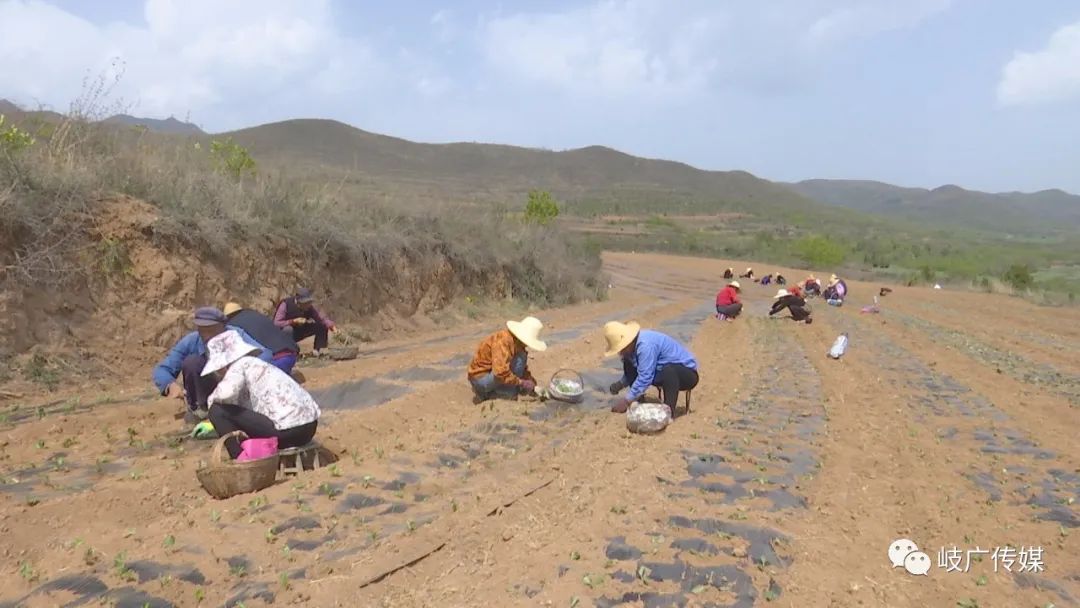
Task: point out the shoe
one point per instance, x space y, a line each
721 317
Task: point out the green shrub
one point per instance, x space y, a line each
541 208
820 251
1019 277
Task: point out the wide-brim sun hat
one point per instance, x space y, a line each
736 285
780 293
225 349
231 308
528 331
619 336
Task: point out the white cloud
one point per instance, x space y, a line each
189 55
653 50
1050 75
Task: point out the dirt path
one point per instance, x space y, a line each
785 486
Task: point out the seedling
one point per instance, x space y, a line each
367 481
40 444
238 571
169 542
643 574
283 580
200 595
120 566
90 557
379 452
618 510
256 503
575 556
334 471
286 552
27 572
328 490
70 442
215 515
270 536
592 581
982 581
410 526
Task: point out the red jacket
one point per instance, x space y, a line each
727 295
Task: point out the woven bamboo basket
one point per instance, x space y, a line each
223 477
342 353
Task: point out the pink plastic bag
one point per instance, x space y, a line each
254 449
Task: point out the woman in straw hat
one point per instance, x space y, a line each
793 302
500 366
836 291
256 397
649 358
728 305
812 286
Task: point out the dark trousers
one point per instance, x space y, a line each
731 310
670 378
229 418
300 332
197 386
799 313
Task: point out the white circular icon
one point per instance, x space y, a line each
899 549
917 563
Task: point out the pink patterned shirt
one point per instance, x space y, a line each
263 388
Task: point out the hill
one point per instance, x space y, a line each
170 125
491 172
1010 212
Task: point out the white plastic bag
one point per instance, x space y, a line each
647 418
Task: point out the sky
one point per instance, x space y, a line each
984 94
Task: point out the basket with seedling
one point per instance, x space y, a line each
566 385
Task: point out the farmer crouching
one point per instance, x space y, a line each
187 359
794 303
282 347
298 317
255 397
500 367
728 305
649 358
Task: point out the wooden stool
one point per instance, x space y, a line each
660 395
291 460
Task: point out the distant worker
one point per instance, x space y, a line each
299 319
835 293
188 357
766 280
785 299
500 367
729 274
780 280
728 305
282 347
649 358
812 286
749 274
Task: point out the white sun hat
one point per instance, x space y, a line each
780 293
528 331
225 349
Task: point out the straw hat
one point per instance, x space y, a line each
528 331
833 280
231 308
619 336
780 293
225 349
736 285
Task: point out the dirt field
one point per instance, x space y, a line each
948 423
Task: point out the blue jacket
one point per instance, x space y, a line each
192 344
654 352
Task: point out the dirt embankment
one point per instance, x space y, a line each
139 275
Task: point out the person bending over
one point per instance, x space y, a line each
500 367
255 397
649 358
